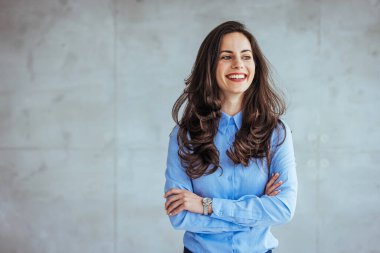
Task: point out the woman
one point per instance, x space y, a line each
230 169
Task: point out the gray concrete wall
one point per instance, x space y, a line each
85 98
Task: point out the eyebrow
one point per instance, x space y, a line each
229 51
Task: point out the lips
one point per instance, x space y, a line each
236 77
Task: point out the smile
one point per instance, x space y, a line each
237 77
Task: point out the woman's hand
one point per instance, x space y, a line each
178 200
270 188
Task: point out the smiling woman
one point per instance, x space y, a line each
235 69
230 170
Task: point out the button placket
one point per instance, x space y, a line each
230 135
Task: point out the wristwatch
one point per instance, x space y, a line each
206 203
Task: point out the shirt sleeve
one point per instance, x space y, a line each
251 210
176 177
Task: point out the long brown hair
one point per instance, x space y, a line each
262 108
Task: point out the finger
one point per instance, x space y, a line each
274 193
171 199
174 205
177 210
275 186
273 179
172 191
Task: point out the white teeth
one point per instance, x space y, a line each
236 76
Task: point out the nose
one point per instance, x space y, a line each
237 64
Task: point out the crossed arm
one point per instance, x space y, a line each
185 208
178 200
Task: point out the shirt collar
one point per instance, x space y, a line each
225 119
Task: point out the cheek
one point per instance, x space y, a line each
253 72
219 75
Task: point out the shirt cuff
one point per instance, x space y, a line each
237 211
219 210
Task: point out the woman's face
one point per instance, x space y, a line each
236 68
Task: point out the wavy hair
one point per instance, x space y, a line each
261 108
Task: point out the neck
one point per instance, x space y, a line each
232 104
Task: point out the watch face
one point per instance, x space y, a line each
206 200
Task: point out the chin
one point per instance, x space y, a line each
237 92
241 90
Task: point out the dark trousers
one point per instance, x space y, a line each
185 250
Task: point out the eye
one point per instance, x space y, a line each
225 57
247 57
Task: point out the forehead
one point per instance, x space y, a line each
235 42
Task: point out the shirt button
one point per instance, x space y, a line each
220 213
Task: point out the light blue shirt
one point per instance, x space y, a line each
242 213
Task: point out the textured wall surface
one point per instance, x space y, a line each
86 89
